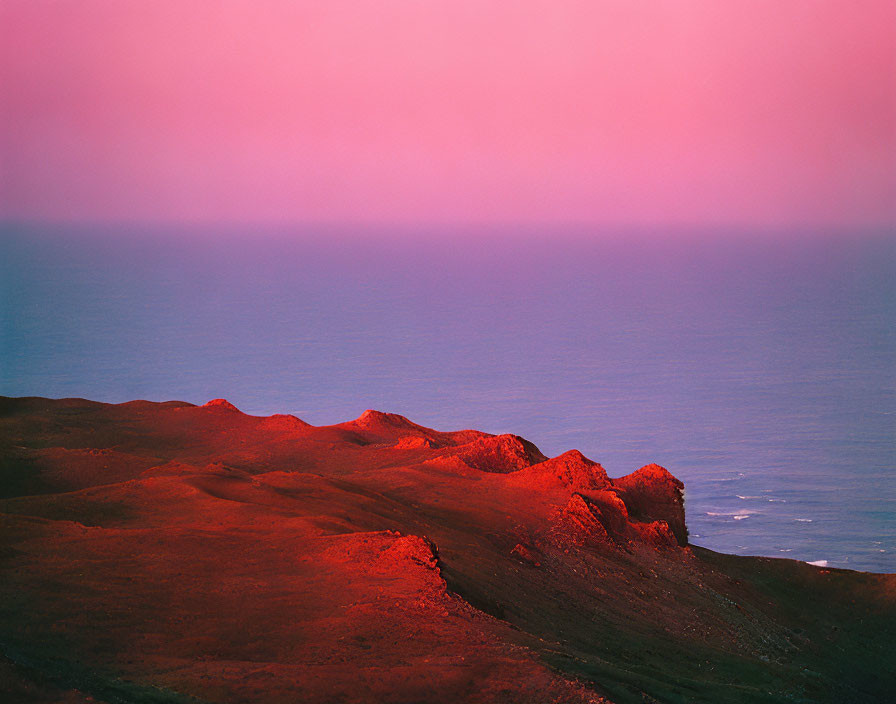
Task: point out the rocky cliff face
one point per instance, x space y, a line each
652 494
174 553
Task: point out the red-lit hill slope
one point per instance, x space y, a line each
175 553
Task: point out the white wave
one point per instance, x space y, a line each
748 497
803 520
779 501
741 516
786 550
818 563
733 514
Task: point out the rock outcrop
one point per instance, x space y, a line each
571 470
653 494
500 454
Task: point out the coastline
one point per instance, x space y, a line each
222 556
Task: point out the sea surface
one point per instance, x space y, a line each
761 370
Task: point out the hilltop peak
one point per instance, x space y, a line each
370 417
221 403
573 458
379 421
571 469
654 472
501 454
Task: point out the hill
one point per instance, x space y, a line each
166 552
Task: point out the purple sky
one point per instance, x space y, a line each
700 112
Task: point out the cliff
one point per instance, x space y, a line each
173 553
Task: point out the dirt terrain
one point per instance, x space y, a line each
165 552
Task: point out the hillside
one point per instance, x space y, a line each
165 552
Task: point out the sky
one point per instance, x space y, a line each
748 114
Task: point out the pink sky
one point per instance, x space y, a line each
757 114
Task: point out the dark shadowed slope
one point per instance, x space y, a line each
171 553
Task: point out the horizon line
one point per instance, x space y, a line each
497 227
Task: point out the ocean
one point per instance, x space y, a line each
759 370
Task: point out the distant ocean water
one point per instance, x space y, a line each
760 372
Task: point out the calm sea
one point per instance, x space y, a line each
761 372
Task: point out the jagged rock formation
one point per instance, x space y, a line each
653 494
